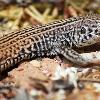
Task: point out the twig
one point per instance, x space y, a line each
89 80
77 8
41 20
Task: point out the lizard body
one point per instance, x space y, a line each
50 39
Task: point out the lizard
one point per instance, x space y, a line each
50 39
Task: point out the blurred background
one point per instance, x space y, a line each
36 79
16 14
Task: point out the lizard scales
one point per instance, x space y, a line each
51 39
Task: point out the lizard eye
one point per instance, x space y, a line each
83 30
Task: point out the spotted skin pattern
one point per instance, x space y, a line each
50 39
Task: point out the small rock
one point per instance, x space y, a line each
21 95
35 63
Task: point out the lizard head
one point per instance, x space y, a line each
90 30
92 22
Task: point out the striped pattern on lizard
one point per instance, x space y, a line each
50 39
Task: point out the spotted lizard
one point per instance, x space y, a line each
50 39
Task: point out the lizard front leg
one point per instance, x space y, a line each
72 56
